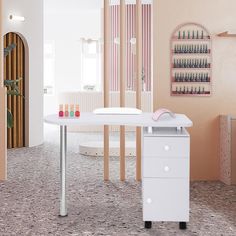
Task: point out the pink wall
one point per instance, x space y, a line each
216 16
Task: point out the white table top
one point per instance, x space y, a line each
142 120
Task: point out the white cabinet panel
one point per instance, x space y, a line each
165 199
166 167
166 147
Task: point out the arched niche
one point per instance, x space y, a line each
191 61
16 65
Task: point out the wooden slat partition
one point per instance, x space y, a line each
13 70
122 83
138 83
3 154
106 83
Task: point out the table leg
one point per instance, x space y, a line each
63 147
138 153
122 153
106 153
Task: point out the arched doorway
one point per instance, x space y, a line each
14 68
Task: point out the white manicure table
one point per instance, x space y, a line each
165 161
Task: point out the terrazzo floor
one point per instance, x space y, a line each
29 200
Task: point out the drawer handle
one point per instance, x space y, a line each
149 200
167 168
167 147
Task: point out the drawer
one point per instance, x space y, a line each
165 199
165 167
166 146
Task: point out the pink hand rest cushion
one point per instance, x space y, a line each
157 114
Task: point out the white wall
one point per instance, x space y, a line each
65 23
32 31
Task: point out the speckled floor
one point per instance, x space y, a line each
29 199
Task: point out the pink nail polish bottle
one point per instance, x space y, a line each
61 113
66 110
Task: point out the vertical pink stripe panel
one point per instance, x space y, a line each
130 57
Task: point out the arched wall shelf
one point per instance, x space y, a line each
191 61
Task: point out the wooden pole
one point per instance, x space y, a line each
3 151
122 83
106 83
155 56
138 83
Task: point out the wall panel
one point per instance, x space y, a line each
3 153
203 111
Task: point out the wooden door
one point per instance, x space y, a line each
14 68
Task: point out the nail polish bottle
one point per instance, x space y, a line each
191 92
66 110
185 49
72 113
191 48
201 49
199 90
179 35
61 113
77 112
200 63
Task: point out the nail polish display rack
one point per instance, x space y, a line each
191 61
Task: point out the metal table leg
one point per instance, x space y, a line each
63 147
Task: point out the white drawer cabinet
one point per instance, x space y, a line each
166 147
165 167
165 174
165 200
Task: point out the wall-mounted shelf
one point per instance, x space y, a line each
226 34
190 68
191 61
190 82
187 39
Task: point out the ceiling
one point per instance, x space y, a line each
66 5
73 5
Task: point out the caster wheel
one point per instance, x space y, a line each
182 225
148 225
